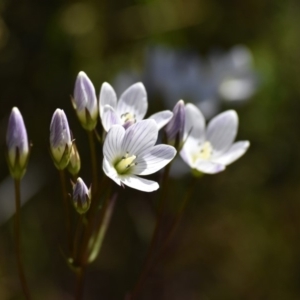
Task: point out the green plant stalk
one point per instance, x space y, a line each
102 228
147 264
175 224
167 239
93 162
82 258
79 283
17 233
89 230
78 231
66 207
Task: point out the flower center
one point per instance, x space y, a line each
205 152
122 166
128 117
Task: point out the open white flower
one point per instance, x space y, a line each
131 107
210 150
132 152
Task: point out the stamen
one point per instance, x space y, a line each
125 163
205 152
128 117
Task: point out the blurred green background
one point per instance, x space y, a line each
239 238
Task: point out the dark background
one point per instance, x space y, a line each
239 238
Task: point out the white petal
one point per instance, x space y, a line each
233 153
185 154
139 183
109 118
194 132
221 131
107 97
110 171
140 137
194 128
134 101
162 118
209 167
112 145
156 159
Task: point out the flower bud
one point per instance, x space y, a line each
175 127
17 144
81 196
60 139
85 102
74 163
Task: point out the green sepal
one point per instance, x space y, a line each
16 170
197 173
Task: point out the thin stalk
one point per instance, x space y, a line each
102 228
78 232
67 207
147 264
93 162
79 283
95 203
178 218
17 232
89 230
82 257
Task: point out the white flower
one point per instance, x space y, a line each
131 107
132 152
210 150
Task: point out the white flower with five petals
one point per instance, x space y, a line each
131 107
209 150
131 152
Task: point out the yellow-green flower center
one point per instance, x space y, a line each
128 117
122 166
205 152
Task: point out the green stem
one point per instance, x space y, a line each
77 234
67 208
94 204
79 283
102 228
178 218
18 240
88 233
147 264
93 162
83 255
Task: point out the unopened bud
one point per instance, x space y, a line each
85 102
81 196
175 127
75 162
17 144
60 139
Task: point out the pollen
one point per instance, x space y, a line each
204 153
123 166
128 117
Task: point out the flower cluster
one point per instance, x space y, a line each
130 150
129 147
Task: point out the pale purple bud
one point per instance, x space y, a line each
85 101
175 127
17 144
60 139
81 196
